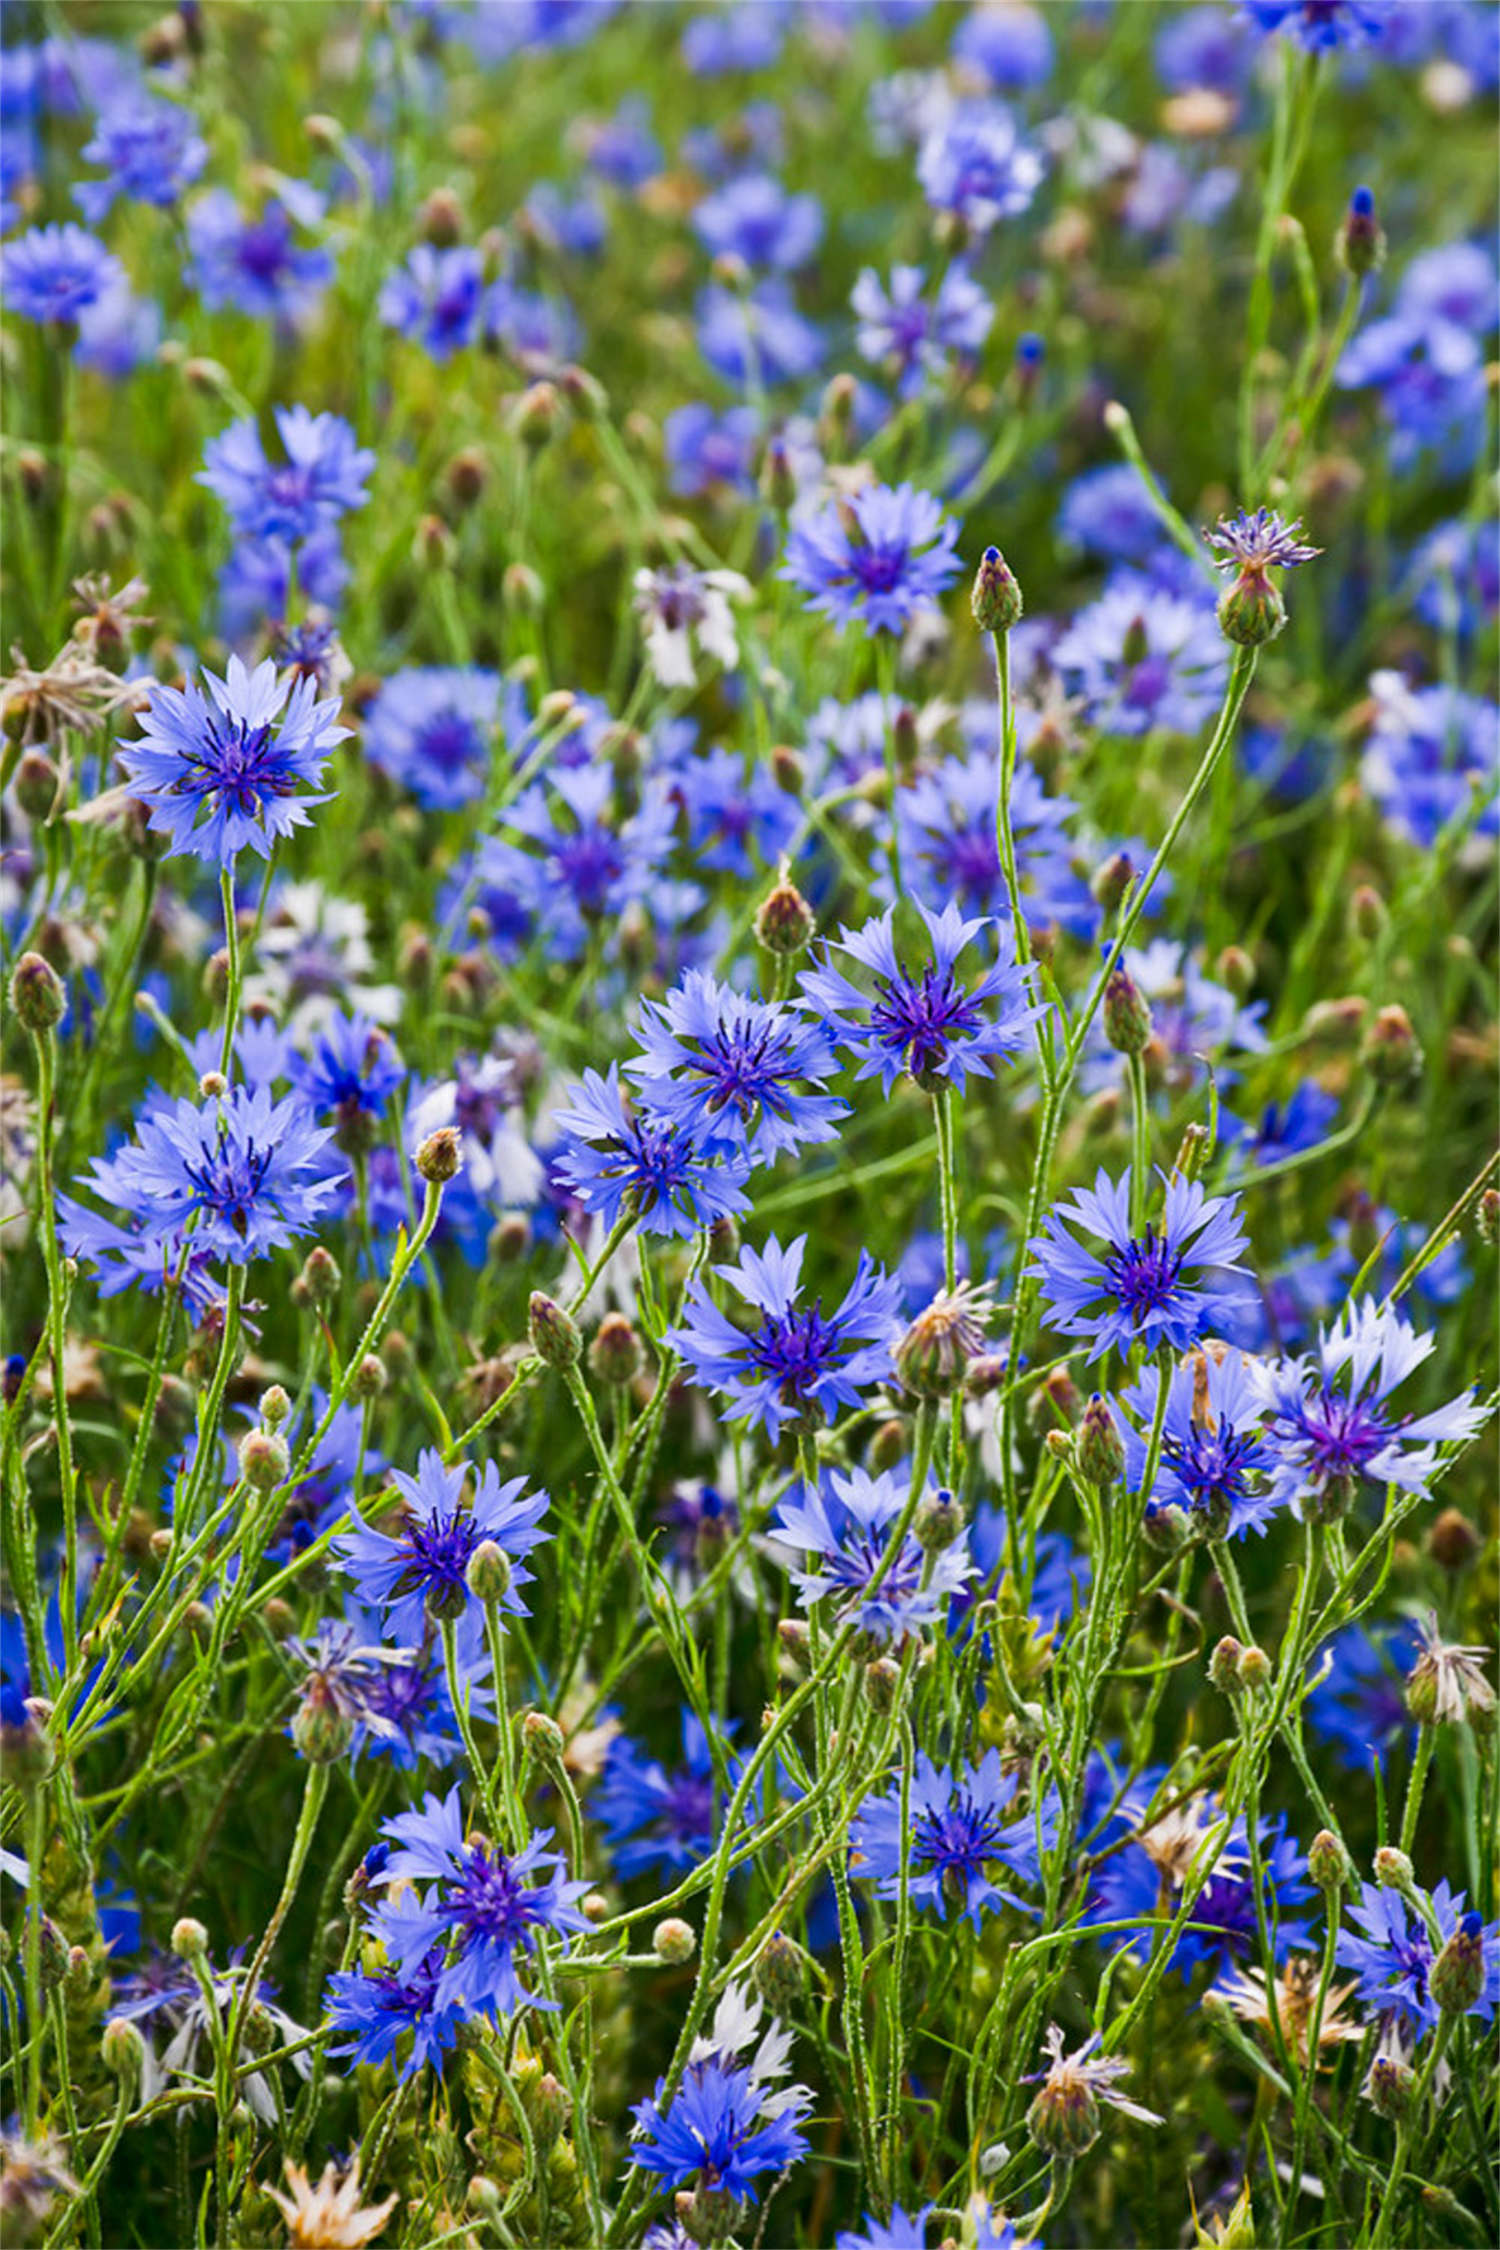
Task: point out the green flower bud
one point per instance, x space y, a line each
1456 1978
1127 1014
996 600
674 1941
36 993
1223 1665
554 1332
1328 1863
779 1975
439 1158
264 1460
1098 1447
488 1575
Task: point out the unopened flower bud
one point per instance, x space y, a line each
122 2050
784 921
1391 1048
1452 1540
320 1276
615 1353
985 1375
441 219
1167 1529
1251 610
265 1461
1328 1863
1390 2088
534 416
1393 1869
189 1940
522 590
778 483
322 1724
795 1640
724 1239
1369 916
368 1377
36 993
882 1684
396 1351
510 1239
996 599
1192 1151
275 1406
939 1521
886 1447
1254 1669
1359 244
1456 1978
1236 969
905 739
1487 1217
674 1941
554 1332
1336 1023
1223 1665
54 1952
439 1158
466 476
1111 880
482 2195
778 1974
488 1574
542 1738
1127 1014
1098 1448
36 784
788 768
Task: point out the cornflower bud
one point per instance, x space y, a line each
986 1375
996 600
322 1724
1452 1541
1127 1014
441 219
1254 1669
36 784
122 2050
1098 1448
1390 2087
1456 1978
510 1238
189 1939
275 1406
784 921
933 1356
1393 1870
1487 1218
674 1941
1111 880
321 1276
615 1353
1328 1863
542 1738
1223 1665
439 1158
265 1461
369 1378
778 1973
1391 1048
1369 915
36 994
554 1332
1236 969
939 1521
488 1573
1359 244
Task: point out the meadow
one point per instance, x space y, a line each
748 1202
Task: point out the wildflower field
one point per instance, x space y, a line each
748 1197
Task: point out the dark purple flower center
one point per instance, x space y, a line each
1214 1463
1144 1274
971 861
1227 1904
795 1348
860 1554
262 249
740 1066
1344 1434
439 1546
919 1019
240 764
1147 682
590 863
879 568
688 1810
958 1840
449 741
230 1180
488 1902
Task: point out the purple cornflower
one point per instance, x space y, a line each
479 1899
1395 1953
55 273
1156 1289
349 1077
728 2121
736 822
946 824
220 773
722 1065
1320 25
1432 755
660 1819
1331 1427
1108 512
380 2006
975 164
1214 1459
962 1822
419 1570
1010 45
1143 659
1258 542
753 218
926 1023
588 861
321 479
661 1170
757 335
915 339
245 1172
405 1712
436 298
880 556
846 1531
1150 1856
254 265
798 1360
149 151
430 729
706 450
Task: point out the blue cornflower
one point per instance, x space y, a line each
846 1529
1394 1956
436 298
1143 659
225 772
479 1101
1202 46
349 1077
880 556
1009 46
1138 1880
1159 1288
672 1183
380 2006
728 2121
945 821
899 329
797 1360
405 1711
1194 1021
1301 1122
480 1900
1108 512
926 1023
1453 581
1432 753
1426 357
722 1065
587 861
623 149
903 2230
707 451
753 218
1214 1459
1331 1426
1357 1699
737 822
56 273
1320 25
993 2230
419 1570
731 39
321 479
659 1818
245 1172
255 265
150 151
756 336
1258 540
963 1821
430 729
975 164
255 584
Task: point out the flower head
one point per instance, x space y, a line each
672 1181
322 477
255 265
229 771
880 557
753 218
491 1906
658 1818
1064 2115
1153 1289
430 729
329 2216
797 1359
57 273
1448 1683
963 1822
901 329
1320 25
1394 1952
149 150
975 164
350 1075
846 1530
727 2121
245 1172
1258 541
1144 659
420 1569
904 2230
378 2007
725 1066
436 298
1295 1987
1331 1425
1214 1460
926 1022
680 607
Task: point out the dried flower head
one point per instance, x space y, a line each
329 2216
